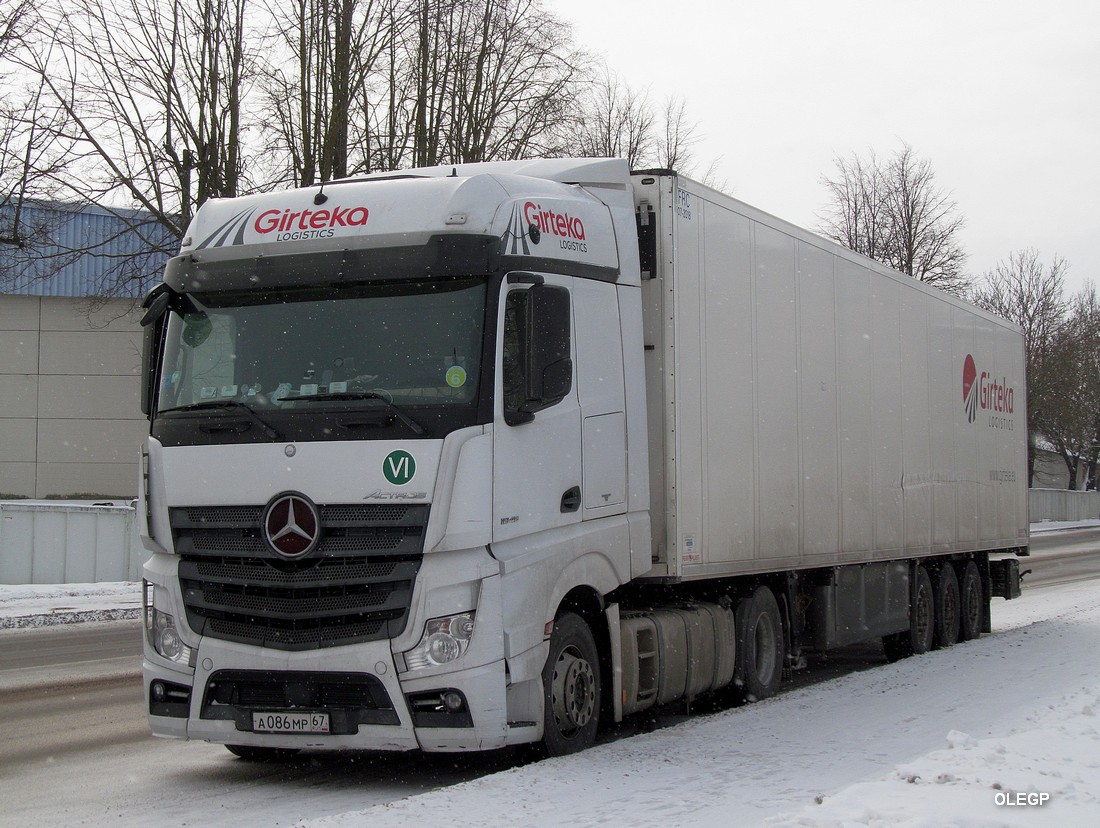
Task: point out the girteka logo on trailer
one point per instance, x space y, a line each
985 392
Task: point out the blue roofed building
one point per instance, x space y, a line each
71 280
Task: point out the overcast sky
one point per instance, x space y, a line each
1002 97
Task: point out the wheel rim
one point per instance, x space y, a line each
950 612
765 648
973 603
573 691
923 626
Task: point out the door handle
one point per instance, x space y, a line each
571 500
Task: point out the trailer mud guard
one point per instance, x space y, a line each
1004 576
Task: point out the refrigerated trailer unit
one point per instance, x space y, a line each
482 455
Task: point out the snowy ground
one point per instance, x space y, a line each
1000 731
937 740
1054 525
41 605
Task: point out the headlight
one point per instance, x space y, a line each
444 640
160 626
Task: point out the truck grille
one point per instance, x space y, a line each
350 699
356 586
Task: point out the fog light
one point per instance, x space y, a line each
158 691
453 701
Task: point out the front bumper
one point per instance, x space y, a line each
482 687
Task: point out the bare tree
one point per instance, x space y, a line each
616 121
1031 294
1073 425
895 213
320 97
857 216
487 80
675 147
20 135
147 96
516 71
13 25
28 161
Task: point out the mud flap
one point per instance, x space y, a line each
1004 576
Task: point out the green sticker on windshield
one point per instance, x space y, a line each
399 467
456 376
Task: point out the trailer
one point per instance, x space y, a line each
484 455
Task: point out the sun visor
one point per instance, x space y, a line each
442 256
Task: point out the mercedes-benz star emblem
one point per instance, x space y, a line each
292 525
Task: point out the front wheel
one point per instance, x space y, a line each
571 688
759 654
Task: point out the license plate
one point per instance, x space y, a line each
290 721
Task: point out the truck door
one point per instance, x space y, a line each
537 437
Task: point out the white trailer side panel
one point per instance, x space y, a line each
807 405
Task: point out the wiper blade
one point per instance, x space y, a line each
237 405
328 396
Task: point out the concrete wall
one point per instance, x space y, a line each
1060 504
70 422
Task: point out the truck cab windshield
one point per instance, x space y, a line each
392 358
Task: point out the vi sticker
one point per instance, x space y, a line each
399 467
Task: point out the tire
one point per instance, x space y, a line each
971 603
918 638
252 753
571 688
759 655
946 607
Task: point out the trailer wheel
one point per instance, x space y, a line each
970 602
759 654
918 638
945 595
252 753
571 687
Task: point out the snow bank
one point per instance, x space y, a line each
42 605
1045 775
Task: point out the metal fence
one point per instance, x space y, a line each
68 543
64 543
1060 504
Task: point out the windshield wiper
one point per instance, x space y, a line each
268 429
363 395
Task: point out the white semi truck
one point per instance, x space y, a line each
476 456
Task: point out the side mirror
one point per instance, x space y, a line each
549 368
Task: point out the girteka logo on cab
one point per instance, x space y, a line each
286 224
562 225
532 222
982 391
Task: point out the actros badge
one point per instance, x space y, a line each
291 525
